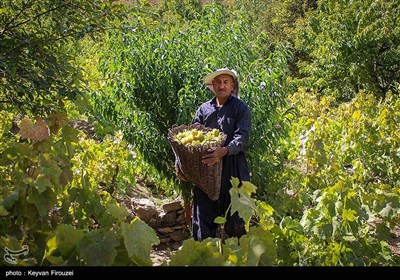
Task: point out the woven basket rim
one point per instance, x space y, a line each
176 129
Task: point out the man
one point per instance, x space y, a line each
226 112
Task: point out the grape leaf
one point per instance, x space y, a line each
97 248
38 131
43 201
261 248
195 253
138 239
118 212
67 238
241 200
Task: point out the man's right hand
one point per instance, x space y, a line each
214 155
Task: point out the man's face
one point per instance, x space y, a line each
223 85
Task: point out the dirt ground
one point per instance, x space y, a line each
161 255
394 242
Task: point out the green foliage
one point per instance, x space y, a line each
37 68
257 248
51 199
351 46
276 18
194 253
154 81
183 9
343 220
138 230
241 200
347 182
98 248
267 87
327 172
360 135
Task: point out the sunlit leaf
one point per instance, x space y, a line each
220 220
349 215
241 200
195 253
118 212
262 247
139 239
42 182
234 253
356 115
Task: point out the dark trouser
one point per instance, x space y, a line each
205 211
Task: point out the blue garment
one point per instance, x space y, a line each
234 119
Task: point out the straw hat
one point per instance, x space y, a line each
208 79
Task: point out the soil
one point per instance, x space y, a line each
161 254
394 241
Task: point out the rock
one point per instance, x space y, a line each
168 221
173 206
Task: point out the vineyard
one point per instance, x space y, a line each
90 89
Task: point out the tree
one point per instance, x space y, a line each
351 46
154 81
38 44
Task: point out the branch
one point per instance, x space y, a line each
14 18
35 17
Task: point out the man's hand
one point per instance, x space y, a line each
214 155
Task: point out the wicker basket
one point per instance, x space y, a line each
207 178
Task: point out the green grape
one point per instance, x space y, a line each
196 137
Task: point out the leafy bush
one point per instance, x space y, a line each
154 81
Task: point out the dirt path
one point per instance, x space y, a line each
394 242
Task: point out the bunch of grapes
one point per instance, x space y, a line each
196 137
